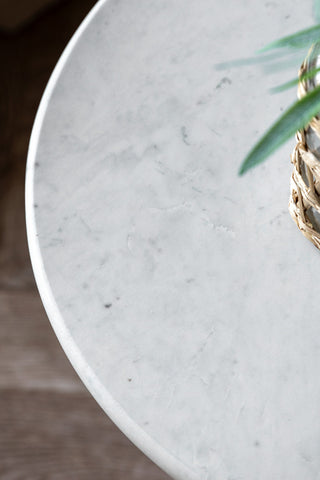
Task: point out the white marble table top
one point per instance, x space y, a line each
184 296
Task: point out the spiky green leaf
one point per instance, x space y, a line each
293 119
293 83
301 39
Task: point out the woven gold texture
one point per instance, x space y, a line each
304 202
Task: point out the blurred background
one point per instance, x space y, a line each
50 426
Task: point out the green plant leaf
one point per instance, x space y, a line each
295 81
293 119
316 10
287 63
301 39
240 62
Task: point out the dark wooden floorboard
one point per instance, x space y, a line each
50 426
49 435
30 356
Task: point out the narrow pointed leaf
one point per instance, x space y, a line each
295 81
301 39
293 119
316 10
289 62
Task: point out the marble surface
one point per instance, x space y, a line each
184 296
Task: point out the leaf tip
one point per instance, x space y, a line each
261 50
274 90
265 48
243 169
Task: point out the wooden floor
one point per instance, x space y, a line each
50 427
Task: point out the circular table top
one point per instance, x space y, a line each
184 296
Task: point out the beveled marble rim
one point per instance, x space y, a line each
134 432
